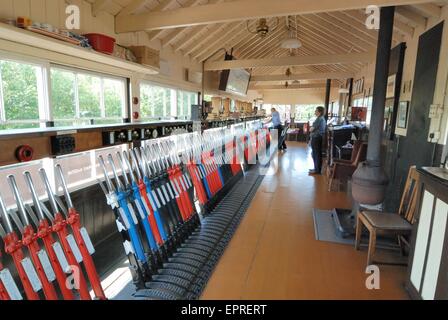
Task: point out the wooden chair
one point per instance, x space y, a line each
341 170
397 224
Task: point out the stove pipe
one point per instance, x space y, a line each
369 181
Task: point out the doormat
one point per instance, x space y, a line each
325 230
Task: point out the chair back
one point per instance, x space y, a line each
409 199
360 154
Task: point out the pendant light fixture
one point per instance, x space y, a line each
292 41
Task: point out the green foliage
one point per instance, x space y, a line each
305 112
63 94
155 101
20 95
21 85
89 92
113 91
89 88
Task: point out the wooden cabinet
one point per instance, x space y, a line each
428 268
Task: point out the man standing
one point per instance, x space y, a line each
317 135
278 125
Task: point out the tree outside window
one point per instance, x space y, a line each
79 98
161 102
19 95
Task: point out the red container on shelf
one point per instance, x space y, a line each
101 42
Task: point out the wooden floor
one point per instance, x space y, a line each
274 254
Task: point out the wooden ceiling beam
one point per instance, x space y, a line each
312 30
340 31
208 36
428 10
400 27
228 43
291 61
290 87
132 7
303 76
162 6
218 40
171 37
262 43
234 42
99 6
255 39
241 10
360 27
410 17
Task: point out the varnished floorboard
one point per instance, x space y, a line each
274 254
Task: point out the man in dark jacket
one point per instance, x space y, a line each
317 135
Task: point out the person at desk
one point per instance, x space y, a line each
317 134
277 123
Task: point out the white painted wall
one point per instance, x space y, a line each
298 96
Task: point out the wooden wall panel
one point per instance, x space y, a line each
7 9
88 141
86 17
22 8
41 146
38 10
52 12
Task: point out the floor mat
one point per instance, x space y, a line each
325 230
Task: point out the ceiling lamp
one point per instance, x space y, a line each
262 28
292 41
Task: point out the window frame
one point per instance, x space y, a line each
102 76
173 97
44 88
41 85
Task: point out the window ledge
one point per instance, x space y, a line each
32 39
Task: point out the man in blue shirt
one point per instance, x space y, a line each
318 131
276 121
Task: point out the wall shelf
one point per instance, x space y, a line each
25 37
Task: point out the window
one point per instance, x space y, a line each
155 102
305 113
21 95
83 98
369 101
358 103
160 102
185 100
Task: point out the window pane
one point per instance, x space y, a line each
166 102
145 101
155 101
63 94
186 105
113 98
179 103
20 93
89 88
158 101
